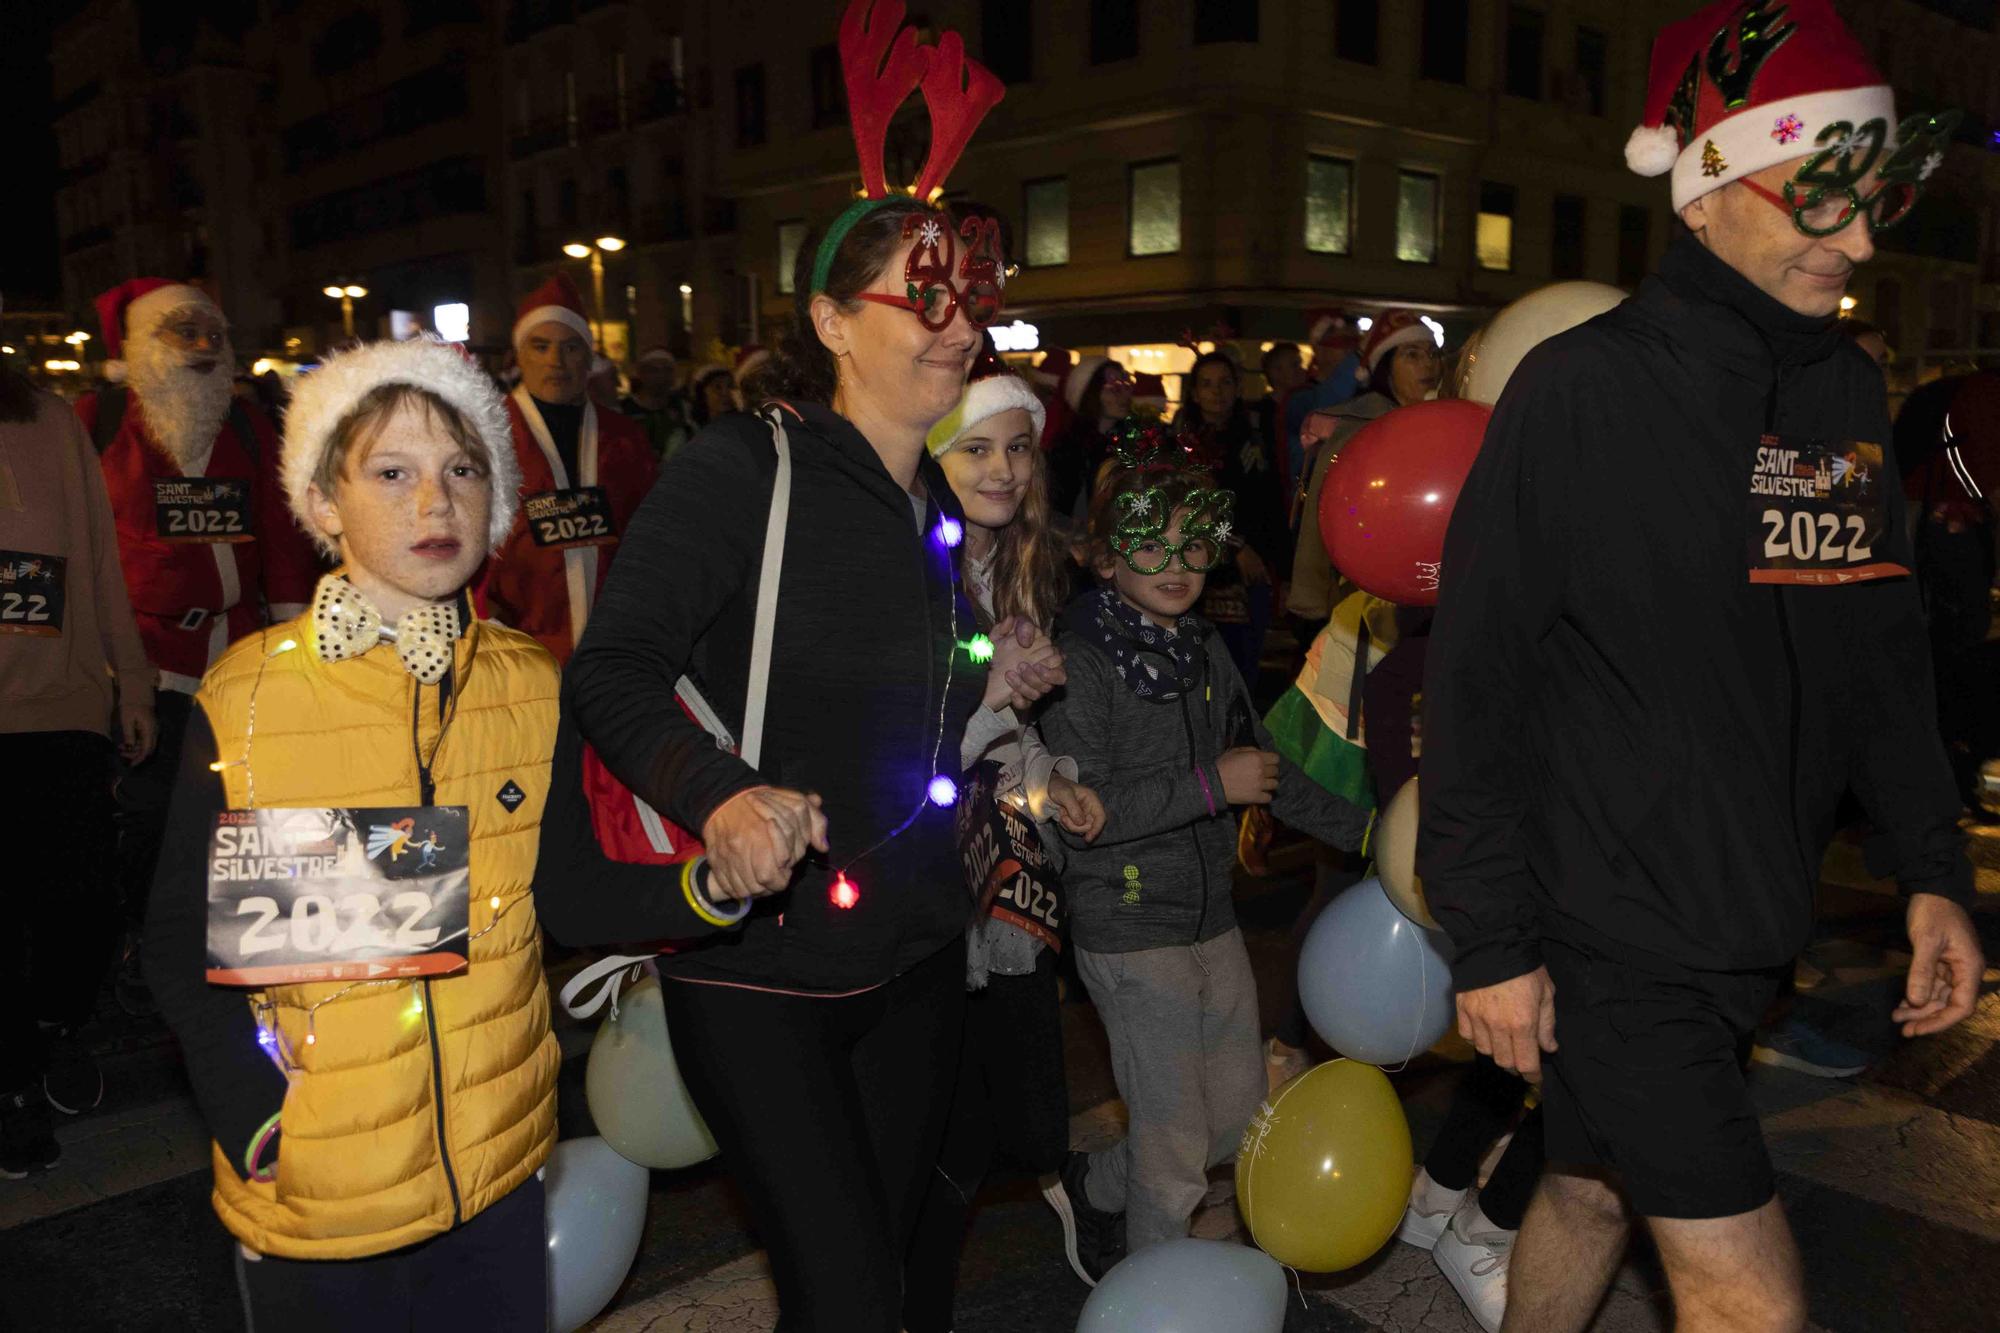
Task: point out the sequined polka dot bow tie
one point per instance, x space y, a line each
345 625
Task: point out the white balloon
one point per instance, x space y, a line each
641 1106
1396 856
596 1209
1513 332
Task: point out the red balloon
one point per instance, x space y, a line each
1388 496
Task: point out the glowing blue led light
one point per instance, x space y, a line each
950 531
943 791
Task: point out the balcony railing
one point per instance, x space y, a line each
539 137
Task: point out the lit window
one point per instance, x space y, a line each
1154 196
1494 233
790 236
1047 210
1329 204
1416 217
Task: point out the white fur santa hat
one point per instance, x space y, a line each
1390 330
325 398
987 396
1747 84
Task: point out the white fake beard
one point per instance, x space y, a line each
184 409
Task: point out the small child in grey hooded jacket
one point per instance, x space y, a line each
1162 727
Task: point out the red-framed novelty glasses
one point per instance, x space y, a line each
931 294
1826 193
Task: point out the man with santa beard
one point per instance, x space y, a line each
208 545
584 470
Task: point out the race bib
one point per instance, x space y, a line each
1818 510
561 519
1005 864
31 593
202 509
337 895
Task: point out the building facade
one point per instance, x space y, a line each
1165 167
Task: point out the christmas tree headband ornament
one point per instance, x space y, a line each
1143 514
882 63
1745 85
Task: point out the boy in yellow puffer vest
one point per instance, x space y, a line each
398 1123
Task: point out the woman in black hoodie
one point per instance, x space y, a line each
819 1038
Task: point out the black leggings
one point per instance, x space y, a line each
1482 1107
1011 1103
829 1114
60 900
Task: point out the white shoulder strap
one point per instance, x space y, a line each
759 685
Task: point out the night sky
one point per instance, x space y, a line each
29 277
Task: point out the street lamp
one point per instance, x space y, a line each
595 252
346 295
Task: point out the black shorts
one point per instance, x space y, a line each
1647 1082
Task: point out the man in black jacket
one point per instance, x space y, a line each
1676 625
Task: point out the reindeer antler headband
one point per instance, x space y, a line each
883 63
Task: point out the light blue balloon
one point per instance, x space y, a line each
596 1214
1189 1286
1375 985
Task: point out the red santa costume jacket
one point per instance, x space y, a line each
193 598
547 591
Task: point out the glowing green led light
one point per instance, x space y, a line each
979 648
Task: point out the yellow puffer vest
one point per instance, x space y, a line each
417 1104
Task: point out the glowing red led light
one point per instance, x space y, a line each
843 894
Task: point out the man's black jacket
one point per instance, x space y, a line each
1627 743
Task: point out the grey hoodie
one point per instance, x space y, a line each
1159 875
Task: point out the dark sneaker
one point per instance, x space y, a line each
1093 1239
74 1084
1794 1044
134 996
27 1135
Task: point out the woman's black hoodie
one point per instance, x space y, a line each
869 621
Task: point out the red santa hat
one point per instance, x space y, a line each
1331 331
1049 371
750 358
1747 84
1391 329
326 397
135 308
557 301
1149 394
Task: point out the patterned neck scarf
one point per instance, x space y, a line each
1158 665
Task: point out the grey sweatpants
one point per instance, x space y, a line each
1189 1064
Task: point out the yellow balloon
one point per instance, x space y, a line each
1324 1172
1396 856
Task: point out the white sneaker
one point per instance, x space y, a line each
1472 1254
1429 1213
1282 1064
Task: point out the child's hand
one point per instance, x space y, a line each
1026 665
1249 775
1078 808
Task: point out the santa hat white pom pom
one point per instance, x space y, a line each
1652 150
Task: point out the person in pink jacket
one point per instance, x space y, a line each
74 680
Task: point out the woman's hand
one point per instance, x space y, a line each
1078 808
755 838
138 732
1026 665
